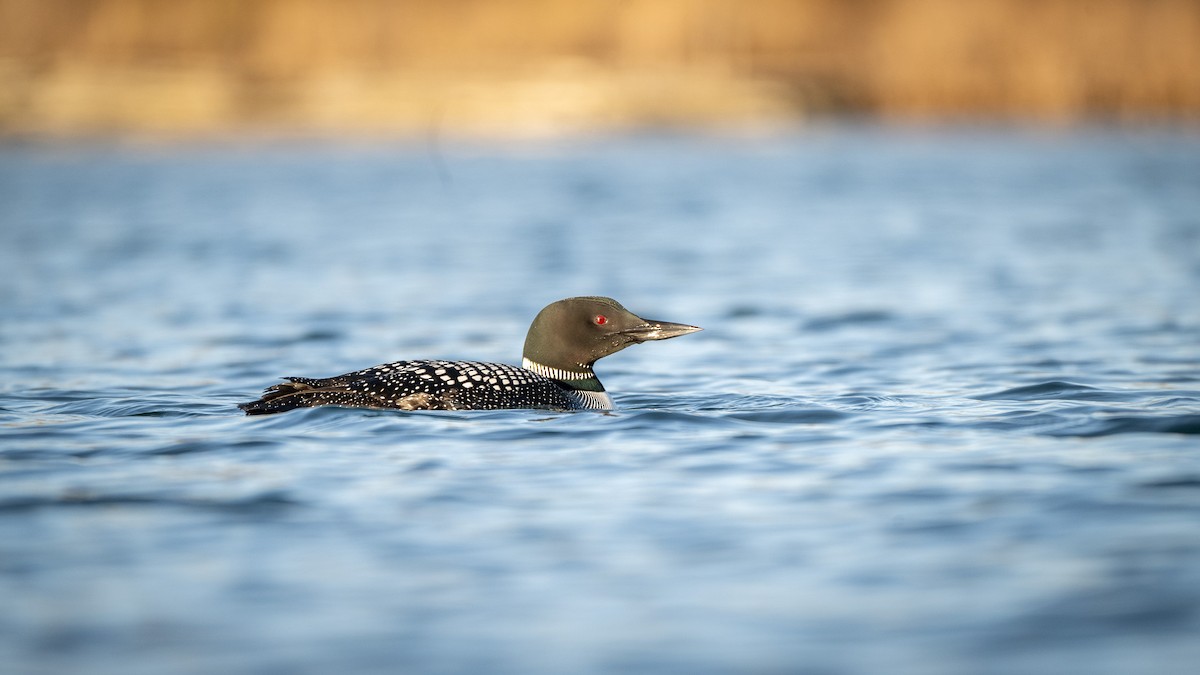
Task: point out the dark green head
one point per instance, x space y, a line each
573 334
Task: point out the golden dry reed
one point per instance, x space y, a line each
509 67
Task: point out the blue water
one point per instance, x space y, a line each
943 417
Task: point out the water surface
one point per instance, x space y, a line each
943 417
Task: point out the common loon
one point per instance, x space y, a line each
564 341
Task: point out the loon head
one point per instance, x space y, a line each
570 335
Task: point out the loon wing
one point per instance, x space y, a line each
309 392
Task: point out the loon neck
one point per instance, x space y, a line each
583 380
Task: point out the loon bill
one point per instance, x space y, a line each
564 341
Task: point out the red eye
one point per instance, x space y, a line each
600 320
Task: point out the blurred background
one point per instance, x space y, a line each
516 67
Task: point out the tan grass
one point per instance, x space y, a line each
521 66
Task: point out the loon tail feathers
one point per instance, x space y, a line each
303 392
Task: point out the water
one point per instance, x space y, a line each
943 417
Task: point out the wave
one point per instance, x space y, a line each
270 500
1188 424
1054 389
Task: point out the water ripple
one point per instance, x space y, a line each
1135 424
247 504
1066 391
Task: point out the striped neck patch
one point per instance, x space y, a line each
557 373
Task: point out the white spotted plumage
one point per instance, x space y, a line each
434 385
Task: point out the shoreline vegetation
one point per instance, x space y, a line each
536 67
